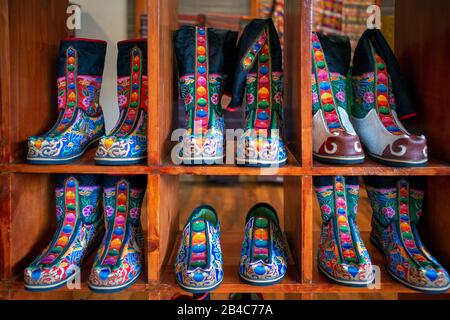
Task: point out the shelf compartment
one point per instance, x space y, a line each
231 243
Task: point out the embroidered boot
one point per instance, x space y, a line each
381 97
127 142
199 265
264 257
80 228
334 139
397 207
205 59
342 255
80 122
120 258
259 75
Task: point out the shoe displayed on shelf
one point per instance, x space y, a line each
342 256
259 76
397 206
80 122
380 92
120 258
334 138
199 265
80 228
205 58
264 256
127 142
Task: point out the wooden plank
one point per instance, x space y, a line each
5 227
162 222
422 49
36 28
5 85
162 20
293 219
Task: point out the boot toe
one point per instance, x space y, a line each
108 278
47 278
348 274
408 149
341 146
112 148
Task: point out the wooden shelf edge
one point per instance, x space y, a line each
435 168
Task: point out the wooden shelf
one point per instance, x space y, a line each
231 249
292 168
85 164
370 167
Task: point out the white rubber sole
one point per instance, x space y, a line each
266 162
199 290
261 283
405 162
341 158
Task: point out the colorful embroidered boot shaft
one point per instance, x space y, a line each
334 139
80 228
381 96
264 257
199 265
127 142
205 59
342 256
259 75
120 258
397 207
80 122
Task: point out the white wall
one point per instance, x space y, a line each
106 20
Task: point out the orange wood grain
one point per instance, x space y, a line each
162 19
422 49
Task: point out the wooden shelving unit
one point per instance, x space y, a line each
30 31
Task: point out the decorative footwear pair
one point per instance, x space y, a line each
199 264
397 206
119 260
207 66
379 95
80 124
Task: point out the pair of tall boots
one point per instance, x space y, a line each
397 207
360 107
88 212
80 123
210 65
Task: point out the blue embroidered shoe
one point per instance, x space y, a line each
397 207
342 255
80 228
259 75
127 142
120 258
263 257
205 61
198 265
80 122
